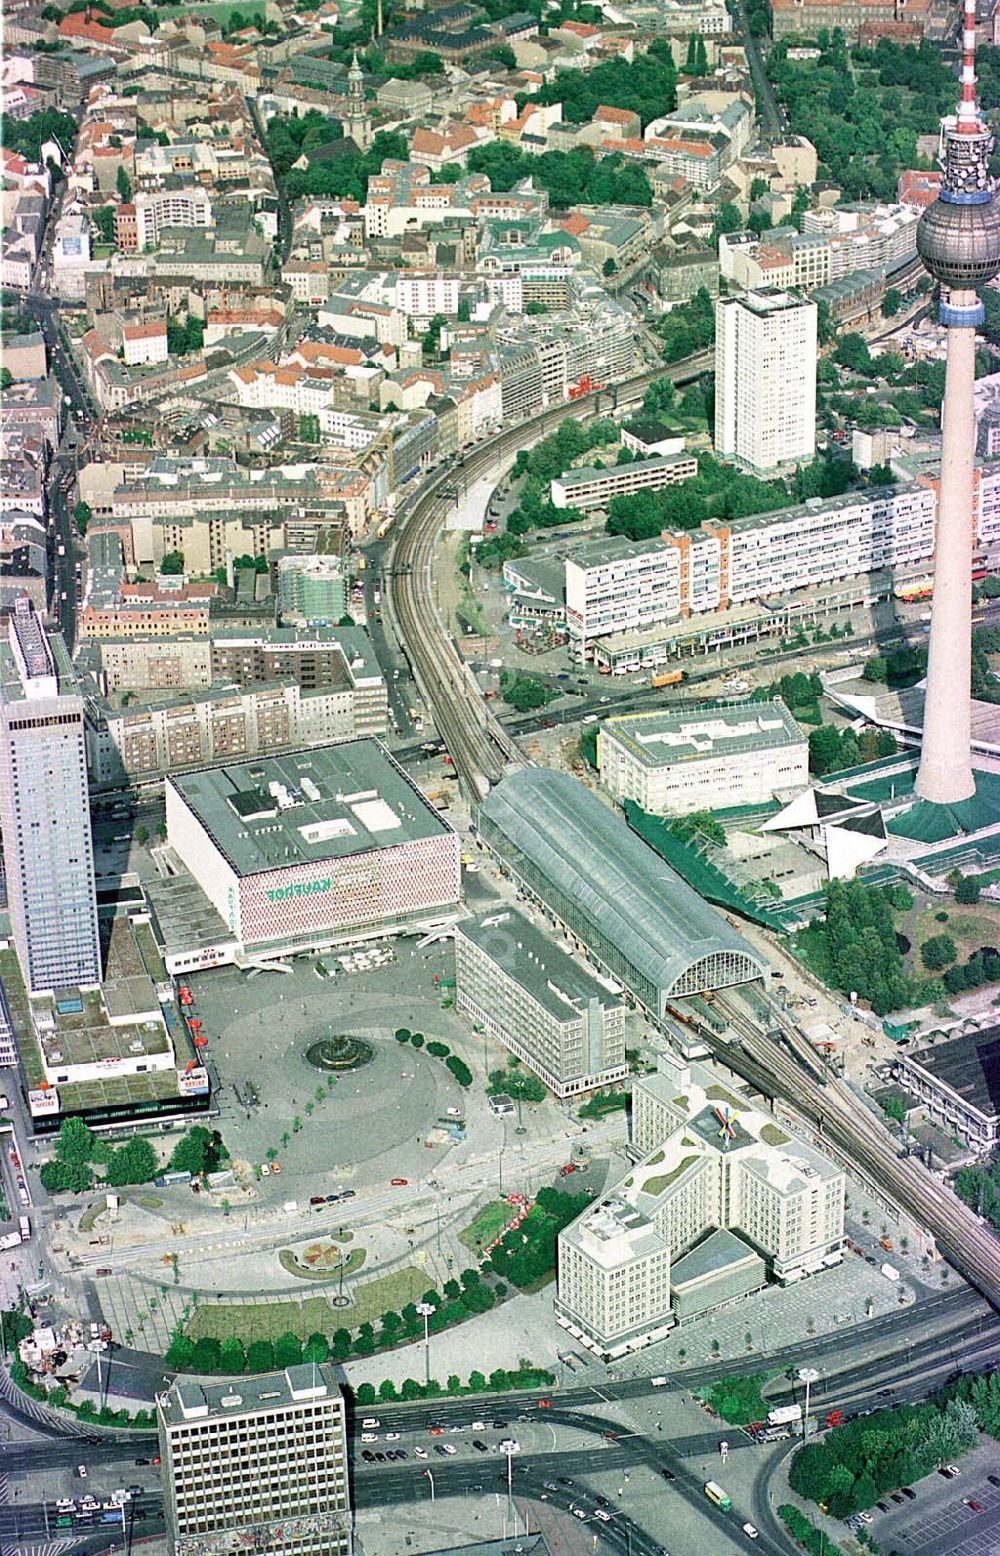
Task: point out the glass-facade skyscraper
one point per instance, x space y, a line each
45 814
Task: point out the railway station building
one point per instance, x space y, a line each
609 892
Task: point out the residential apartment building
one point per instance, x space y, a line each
45 810
618 585
311 589
181 205
718 1201
258 1461
586 488
671 763
765 376
252 691
551 1012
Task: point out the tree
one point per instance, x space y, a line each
287 1350
179 1352
316 1348
141 835
938 952
232 1356
75 1142
207 1355
199 1151
967 890
172 564
124 185
895 1108
891 302
6 379
609 268
104 220
758 189
260 1356
133 1162
82 514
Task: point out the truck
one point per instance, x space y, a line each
10 1240
890 1272
784 1415
24 1227
668 678
716 1494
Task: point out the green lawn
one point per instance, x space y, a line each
970 928
488 1224
269 1320
220 11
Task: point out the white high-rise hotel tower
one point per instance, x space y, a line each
45 814
959 242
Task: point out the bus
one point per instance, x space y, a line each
716 1494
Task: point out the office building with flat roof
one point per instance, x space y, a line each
765 379
958 1081
639 921
557 1016
314 846
256 1463
45 810
587 487
672 762
719 1199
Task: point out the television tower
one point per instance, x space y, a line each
958 239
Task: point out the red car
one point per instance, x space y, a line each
570 1167
972 1504
435 1431
399 1183
544 1404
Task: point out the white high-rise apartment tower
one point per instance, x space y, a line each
765 380
45 814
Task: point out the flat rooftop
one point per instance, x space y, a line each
719 1251
601 553
584 474
191 1400
668 738
969 1066
555 980
304 807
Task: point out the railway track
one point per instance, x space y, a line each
481 749
838 1118
477 742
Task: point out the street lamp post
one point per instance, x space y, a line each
808 1376
430 1477
425 1309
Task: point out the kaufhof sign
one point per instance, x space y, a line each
299 889
43 1102
193 1083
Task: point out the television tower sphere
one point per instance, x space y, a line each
958 243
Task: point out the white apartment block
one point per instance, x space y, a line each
619 585
671 763
155 209
587 488
720 1198
765 380
420 295
557 1016
256 1461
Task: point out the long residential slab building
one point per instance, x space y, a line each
618 585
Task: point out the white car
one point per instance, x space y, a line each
578 1513
392 1437
369 1437
449 1448
750 1531
601 1515
265 1170
81 1470
420 1453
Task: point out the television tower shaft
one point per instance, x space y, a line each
958 239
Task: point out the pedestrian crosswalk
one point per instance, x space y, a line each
37 1411
46 1548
